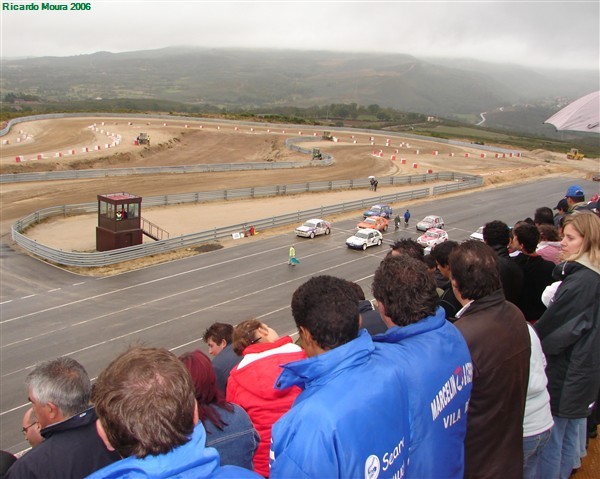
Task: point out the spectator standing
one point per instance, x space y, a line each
6 460
561 210
575 197
543 216
252 382
31 428
292 255
59 391
406 218
370 319
218 337
407 246
228 427
549 245
441 254
570 334
352 438
434 358
498 339
537 272
537 422
496 234
147 413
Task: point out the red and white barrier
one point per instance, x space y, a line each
429 171
20 158
5 142
482 155
451 154
403 161
435 153
393 157
416 152
466 155
415 165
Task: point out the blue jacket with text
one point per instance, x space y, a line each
351 419
437 366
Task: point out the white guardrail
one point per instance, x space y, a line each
457 181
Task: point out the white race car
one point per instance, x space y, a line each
363 238
314 227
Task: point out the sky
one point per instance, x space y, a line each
564 34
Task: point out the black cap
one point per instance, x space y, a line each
562 205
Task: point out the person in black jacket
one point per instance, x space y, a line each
537 272
59 391
496 234
570 334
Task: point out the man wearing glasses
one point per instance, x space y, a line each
31 428
59 392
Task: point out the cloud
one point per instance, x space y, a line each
538 33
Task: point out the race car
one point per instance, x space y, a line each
378 223
429 222
364 238
432 237
314 227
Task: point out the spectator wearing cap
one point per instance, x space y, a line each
575 199
562 207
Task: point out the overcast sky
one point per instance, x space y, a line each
537 33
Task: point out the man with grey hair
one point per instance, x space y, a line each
59 392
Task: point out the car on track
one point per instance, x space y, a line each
378 223
596 177
364 238
477 235
313 227
379 210
429 222
432 237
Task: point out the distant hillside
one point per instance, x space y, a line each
261 79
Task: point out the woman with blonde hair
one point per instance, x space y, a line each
251 383
570 334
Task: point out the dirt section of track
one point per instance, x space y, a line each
172 143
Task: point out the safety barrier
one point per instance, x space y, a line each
106 258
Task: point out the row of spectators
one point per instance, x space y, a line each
483 363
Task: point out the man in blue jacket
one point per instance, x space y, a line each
147 412
435 360
351 419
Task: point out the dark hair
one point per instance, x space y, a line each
219 332
405 288
430 261
327 307
408 247
528 236
548 233
207 393
145 402
441 252
244 334
496 233
475 269
543 216
63 382
359 291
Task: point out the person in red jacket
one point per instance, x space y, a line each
251 383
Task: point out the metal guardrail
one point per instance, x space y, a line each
105 258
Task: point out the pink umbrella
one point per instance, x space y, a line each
581 115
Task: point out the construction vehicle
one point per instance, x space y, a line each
143 139
574 154
317 154
327 136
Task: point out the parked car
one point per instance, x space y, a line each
432 237
429 222
477 235
364 238
379 210
378 223
314 227
596 177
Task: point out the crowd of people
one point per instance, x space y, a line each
479 361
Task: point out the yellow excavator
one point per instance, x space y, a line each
574 154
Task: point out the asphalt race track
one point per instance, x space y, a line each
46 312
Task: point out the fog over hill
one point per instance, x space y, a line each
263 78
